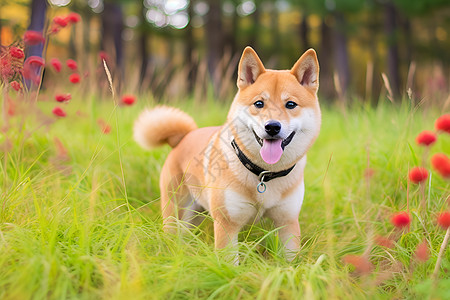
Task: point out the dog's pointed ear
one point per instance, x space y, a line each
306 69
250 67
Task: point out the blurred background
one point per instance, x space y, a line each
173 49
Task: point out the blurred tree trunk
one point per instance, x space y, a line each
326 61
391 28
143 51
304 31
87 17
214 41
341 60
112 28
191 63
408 39
38 12
373 87
275 30
143 47
256 19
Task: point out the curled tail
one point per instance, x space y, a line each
161 125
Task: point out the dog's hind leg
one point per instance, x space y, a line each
173 194
179 208
192 214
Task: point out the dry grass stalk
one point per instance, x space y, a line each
446 104
108 75
388 87
411 73
338 87
441 253
369 80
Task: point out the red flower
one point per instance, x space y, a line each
56 64
60 21
384 242
443 123
63 97
128 99
54 29
444 220
15 85
10 62
35 60
361 263
418 175
422 254
73 18
11 107
369 172
31 68
32 37
72 64
105 127
16 52
62 151
442 164
59 112
31 73
6 68
426 138
74 78
103 56
401 219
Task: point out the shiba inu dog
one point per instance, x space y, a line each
250 167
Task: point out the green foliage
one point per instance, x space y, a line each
324 7
89 226
419 7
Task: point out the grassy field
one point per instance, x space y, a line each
80 216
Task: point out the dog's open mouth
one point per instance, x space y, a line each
272 149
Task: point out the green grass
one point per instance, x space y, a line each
88 226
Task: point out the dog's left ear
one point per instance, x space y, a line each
306 69
250 67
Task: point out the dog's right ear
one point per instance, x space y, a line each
250 67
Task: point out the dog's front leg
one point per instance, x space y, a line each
230 211
226 232
289 234
285 217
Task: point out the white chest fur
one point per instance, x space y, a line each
243 210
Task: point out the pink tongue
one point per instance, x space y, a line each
271 151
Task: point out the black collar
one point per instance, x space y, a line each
258 171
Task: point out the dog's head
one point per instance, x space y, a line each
275 115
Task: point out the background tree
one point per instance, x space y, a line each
112 43
144 39
38 11
190 44
214 40
350 37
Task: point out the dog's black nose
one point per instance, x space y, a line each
273 128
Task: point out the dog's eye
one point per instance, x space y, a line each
291 105
259 104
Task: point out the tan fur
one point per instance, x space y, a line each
162 125
203 170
